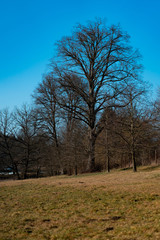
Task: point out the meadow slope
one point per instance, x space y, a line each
121 205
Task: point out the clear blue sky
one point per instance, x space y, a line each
29 29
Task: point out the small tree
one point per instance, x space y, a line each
26 129
8 145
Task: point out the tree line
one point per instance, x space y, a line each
91 111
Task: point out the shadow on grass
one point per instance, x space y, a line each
150 168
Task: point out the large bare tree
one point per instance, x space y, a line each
97 63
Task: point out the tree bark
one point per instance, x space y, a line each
132 137
107 151
155 156
91 151
134 161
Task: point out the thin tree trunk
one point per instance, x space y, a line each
107 152
149 156
91 151
143 158
16 171
75 160
132 139
76 170
134 161
121 160
108 161
155 155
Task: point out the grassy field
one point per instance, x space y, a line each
121 205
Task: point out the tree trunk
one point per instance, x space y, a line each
134 161
75 159
76 169
108 162
91 151
155 156
16 171
132 137
121 160
149 156
107 152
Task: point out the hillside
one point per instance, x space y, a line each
121 205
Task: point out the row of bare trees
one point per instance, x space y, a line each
28 148
90 112
34 145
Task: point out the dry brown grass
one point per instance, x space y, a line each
121 205
118 180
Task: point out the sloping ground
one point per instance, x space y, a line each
121 205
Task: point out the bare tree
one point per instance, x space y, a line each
45 97
97 63
26 129
7 143
133 119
